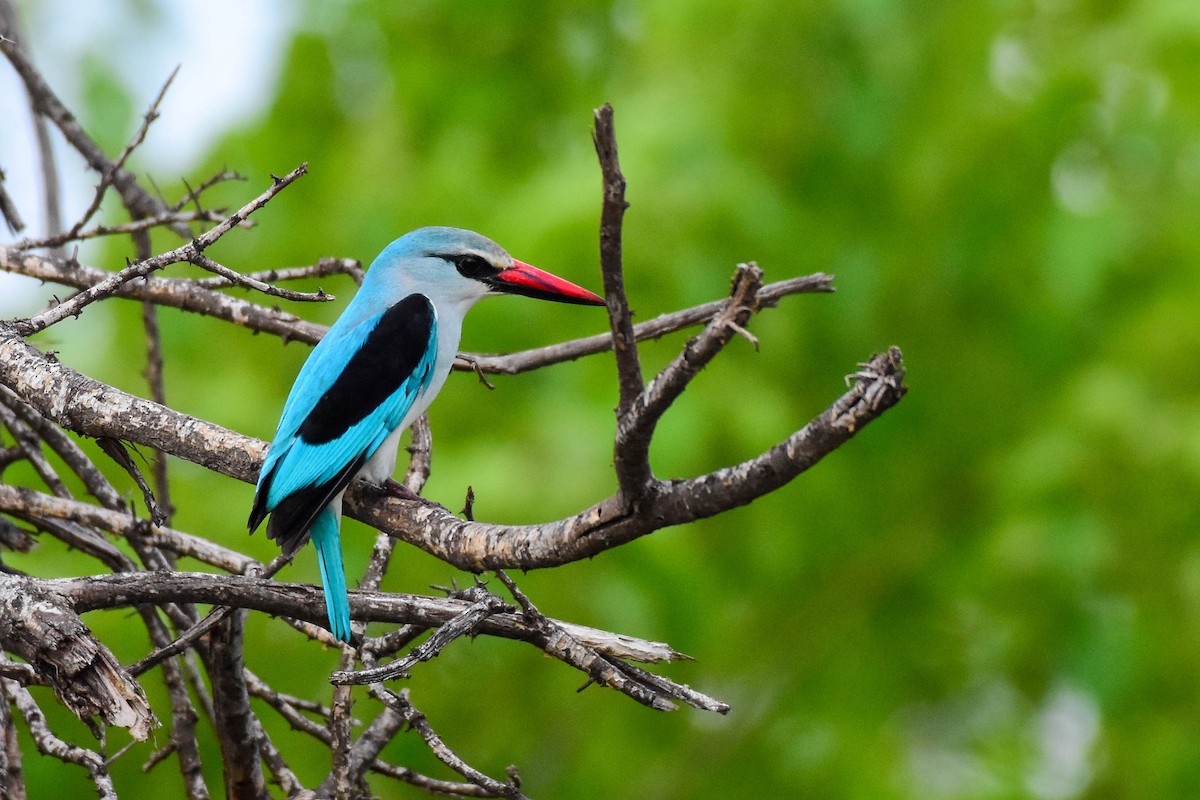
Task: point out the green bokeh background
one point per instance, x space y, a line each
992 592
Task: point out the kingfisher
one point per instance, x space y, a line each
376 370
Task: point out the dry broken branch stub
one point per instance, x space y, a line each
38 626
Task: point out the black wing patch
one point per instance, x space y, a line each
258 511
387 358
295 514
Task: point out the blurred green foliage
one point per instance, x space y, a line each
992 592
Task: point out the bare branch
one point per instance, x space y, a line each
50 745
181 293
515 363
629 370
164 220
66 449
370 743
301 601
463 624
28 503
323 267
89 407
183 729
115 449
37 626
340 777
193 194
635 427
111 172
273 759
8 209
201 628
610 522
290 708
158 502
648 689
195 296
138 269
21 673
12 777
235 723
30 446
47 104
416 720
237 279
11 33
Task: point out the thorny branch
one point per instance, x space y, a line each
202 663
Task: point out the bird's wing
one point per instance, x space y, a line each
355 389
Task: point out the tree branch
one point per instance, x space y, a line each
47 104
116 166
93 409
50 745
236 725
478 547
139 269
526 360
632 469
181 293
399 702
109 591
36 625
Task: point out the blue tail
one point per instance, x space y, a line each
324 534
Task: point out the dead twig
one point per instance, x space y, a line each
138 269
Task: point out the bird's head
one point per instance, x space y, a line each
456 266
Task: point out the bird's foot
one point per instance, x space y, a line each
399 490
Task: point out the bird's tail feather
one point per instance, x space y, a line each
324 534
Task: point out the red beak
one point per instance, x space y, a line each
521 278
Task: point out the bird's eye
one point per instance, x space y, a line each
474 267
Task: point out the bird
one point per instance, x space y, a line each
376 370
